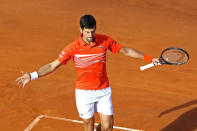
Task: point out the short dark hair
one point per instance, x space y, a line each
87 21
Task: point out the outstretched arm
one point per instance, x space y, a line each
131 53
136 54
44 70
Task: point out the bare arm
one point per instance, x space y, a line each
131 53
44 70
48 68
136 54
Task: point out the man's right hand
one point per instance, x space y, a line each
23 80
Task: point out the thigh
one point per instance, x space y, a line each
88 101
85 105
104 105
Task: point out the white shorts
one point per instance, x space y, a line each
89 101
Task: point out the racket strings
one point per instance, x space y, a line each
175 56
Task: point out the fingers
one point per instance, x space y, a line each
23 84
22 77
23 80
18 79
157 61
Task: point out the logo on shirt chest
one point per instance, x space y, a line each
101 47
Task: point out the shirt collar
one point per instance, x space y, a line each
83 43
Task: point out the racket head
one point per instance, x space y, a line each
174 56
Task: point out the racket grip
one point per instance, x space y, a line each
147 66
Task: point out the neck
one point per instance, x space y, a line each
88 42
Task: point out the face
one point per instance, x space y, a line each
88 34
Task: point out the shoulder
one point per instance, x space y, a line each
102 37
72 46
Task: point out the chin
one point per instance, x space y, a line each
91 40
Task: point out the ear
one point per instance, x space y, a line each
81 30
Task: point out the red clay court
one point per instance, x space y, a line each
159 99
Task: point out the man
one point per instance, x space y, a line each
92 92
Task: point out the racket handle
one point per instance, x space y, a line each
147 66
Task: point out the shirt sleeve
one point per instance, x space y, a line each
66 54
114 46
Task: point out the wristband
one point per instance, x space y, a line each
34 75
148 58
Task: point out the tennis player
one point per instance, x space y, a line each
93 91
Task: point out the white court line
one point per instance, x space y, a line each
34 123
37 119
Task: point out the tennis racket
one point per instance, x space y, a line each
171 56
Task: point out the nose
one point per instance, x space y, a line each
91 34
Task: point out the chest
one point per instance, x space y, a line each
87 56
96 49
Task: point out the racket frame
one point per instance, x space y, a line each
163 61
